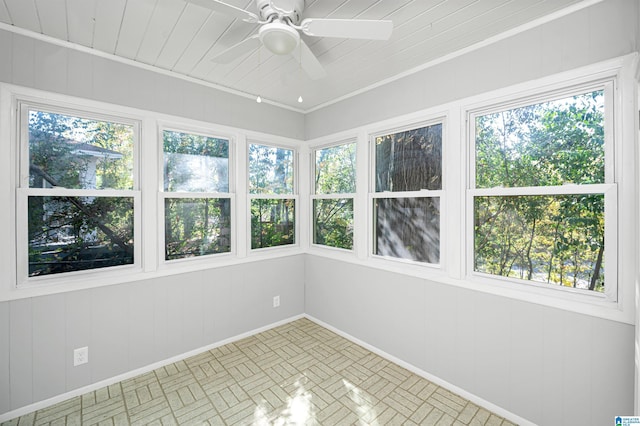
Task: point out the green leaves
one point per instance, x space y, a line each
555 239
551 143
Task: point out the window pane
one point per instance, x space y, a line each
336 169
410 160
196 227
79 153
272 223
408 228
333 223
551 143
77 233
557 240
270 170
195 163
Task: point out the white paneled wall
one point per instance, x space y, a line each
548 366
36 64
133 325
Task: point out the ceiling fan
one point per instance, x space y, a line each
280 25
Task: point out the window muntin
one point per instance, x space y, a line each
272 202
407 180
541 187
333 198
197 202
76 193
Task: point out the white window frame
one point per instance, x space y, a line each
423 193
294 195
21 105
608 189
331 196
163 195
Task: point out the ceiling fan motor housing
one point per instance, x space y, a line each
279 38
266 11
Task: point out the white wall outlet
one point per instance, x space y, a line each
276 301
80 356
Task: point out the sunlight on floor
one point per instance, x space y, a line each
298 411
365 409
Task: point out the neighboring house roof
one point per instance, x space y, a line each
95 151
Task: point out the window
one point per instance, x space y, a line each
77 195
335 185
541 181
408 185
197 202
271 194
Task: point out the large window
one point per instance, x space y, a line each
197 202
406 202
335 186
271 194
541 181
77 192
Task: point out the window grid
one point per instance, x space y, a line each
426 232
214 241
272 200
606 189
78 209
337 239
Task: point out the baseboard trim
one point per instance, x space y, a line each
438 381
138 371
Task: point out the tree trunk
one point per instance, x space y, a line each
597 267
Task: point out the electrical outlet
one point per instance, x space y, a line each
276 301
80 356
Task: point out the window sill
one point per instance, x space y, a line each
131 274
591 305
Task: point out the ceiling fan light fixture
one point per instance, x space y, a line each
279 38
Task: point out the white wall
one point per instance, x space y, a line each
32 63
543 364
130 326
603 31
548 366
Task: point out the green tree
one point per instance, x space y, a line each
554 239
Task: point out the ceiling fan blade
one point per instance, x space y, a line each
237 50
308 61
348 28
282 6
227 9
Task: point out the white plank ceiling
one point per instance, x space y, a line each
183 37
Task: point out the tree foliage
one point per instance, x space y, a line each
335 173
197 227
272 219
555 239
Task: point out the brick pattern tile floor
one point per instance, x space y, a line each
299 373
